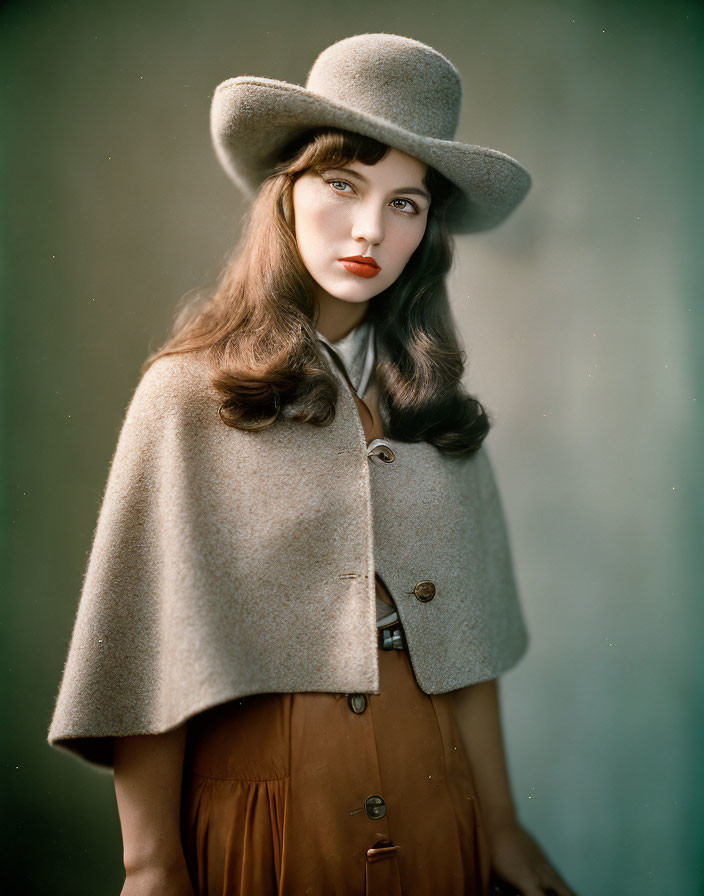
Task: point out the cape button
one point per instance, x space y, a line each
357 702
424 591
375 807
380 452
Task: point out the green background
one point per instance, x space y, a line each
581 315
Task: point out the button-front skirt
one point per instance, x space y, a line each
314 793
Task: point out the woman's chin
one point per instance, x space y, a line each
351 292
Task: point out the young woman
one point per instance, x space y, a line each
300 595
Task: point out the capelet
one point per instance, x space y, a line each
226 563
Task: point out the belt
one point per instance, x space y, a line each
391 637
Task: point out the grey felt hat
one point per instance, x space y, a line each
395 89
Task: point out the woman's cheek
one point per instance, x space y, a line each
410 247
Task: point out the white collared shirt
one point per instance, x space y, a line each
356 350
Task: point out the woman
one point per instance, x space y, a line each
300 595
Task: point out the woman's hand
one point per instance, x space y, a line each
159 880
518 859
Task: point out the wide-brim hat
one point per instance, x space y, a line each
393 88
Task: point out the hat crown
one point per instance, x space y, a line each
395 78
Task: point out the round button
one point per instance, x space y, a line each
357 702
375 807
424 591
380 452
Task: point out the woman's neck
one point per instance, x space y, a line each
336 321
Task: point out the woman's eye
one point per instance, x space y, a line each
410 206
333 182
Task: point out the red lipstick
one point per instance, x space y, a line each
361 265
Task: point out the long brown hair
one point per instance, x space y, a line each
257 329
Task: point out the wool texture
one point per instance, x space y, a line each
226 563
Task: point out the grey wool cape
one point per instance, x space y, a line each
226 563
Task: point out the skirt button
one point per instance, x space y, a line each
375 807
357 702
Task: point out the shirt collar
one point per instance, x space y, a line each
356 351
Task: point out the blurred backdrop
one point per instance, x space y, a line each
582 320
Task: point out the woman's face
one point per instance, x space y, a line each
376 211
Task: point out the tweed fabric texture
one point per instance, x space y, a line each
387 86
228 563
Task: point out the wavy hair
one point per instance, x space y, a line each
257 334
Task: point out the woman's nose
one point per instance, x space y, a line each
368 223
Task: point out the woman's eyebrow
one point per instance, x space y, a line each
415 190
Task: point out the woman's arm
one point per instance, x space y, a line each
515 855
148 776
478 718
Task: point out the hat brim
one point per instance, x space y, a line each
252 120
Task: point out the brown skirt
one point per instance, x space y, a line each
314 793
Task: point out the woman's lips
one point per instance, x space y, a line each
360 268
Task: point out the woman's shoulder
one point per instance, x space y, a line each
174 384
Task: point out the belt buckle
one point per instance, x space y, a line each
391 637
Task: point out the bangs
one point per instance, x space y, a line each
326 147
